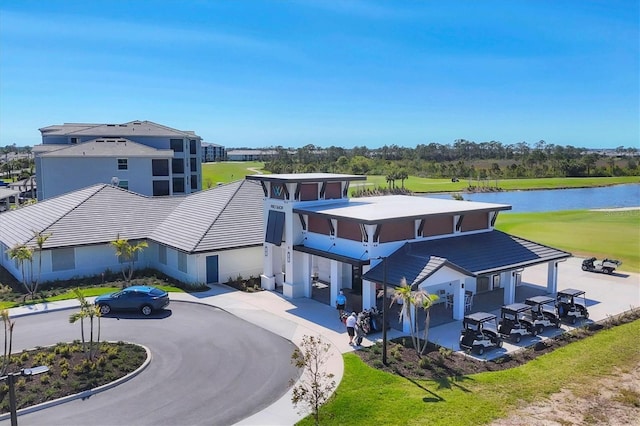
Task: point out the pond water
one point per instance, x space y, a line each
559 199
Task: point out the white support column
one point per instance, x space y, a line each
368 294
306 274
458 301
267 279
336 280
509 285
552 277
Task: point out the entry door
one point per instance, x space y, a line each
212 269
356 279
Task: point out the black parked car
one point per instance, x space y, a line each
139 298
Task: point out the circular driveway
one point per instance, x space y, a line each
207 367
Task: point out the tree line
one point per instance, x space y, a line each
461 159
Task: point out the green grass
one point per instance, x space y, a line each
417 184
614 234
87 292
228 171
370 396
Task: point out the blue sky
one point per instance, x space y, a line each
342 73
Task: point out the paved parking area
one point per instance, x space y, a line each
606 295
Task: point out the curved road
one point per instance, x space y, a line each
208 367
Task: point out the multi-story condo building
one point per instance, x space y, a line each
213 152
142 156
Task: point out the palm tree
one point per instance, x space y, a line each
22 254
92 312
127 253
40 239
410 301
8 340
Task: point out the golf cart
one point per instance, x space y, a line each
572 305
543 312
479 332
606 266
516 322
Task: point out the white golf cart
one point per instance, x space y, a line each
572 305
543 312
516 322
479 333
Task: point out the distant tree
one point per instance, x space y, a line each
316 385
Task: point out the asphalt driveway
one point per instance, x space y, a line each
208 367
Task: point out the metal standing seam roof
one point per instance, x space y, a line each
474 255
112 147
226 216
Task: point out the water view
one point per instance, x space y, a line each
560 199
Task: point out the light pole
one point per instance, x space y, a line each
384 310
11 377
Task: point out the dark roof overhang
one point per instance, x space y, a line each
331 255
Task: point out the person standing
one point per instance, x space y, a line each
341 303
351 326
359 329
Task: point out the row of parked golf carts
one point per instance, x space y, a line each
482 330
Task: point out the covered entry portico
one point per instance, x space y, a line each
464 268
335 271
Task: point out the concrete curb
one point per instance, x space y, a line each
87 393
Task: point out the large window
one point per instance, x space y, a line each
123 164
177 165
160 167
63 259
178 185
194 181
162 254
160 188
182 262
194 164
177 145
192 147
124 184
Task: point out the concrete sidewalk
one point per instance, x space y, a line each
290 319
293 319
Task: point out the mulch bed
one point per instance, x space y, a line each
439 363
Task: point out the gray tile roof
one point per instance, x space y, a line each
223 217
137 127
109 148
476 254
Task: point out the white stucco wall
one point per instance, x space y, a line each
444 279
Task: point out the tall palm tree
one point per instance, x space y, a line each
40 238
411 300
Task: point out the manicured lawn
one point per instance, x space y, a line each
614 234
228 171
417 184
369 396
86 291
